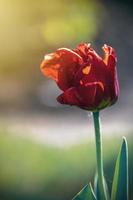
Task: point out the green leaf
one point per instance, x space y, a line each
85 194
96 189
120 182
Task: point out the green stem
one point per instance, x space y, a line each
99 155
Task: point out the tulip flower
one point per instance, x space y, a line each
90 82
87 80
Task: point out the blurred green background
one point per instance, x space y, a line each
47 151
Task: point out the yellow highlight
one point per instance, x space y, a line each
86 70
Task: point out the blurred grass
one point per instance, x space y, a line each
34 171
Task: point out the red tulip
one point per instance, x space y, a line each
87 80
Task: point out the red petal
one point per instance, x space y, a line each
91 95
87 96
110 58
82 49
61 66
95 70
70 97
